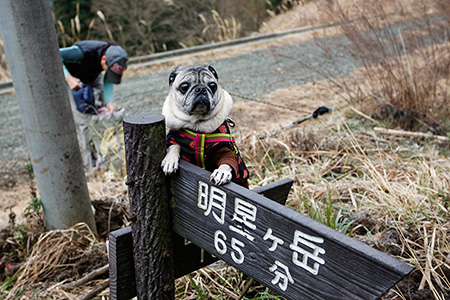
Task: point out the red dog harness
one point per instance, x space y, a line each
198 148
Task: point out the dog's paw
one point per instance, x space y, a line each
169 164
222 175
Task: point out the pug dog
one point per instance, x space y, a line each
196 112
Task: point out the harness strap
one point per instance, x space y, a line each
201 139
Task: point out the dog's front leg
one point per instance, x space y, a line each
222 175
170 161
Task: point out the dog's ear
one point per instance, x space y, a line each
174 74
172 77
210 68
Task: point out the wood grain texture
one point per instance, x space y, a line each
122 281
144 137
350 269
277 191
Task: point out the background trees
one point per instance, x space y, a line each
148 26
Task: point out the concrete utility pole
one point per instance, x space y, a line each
35 63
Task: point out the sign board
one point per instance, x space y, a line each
286 251
187 256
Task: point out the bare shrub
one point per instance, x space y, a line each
220 29
76 31
142 27
396 52
151 26
405 58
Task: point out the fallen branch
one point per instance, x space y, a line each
86 278
410 133
96 290
246 288
364 115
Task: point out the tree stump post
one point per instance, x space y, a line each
145 148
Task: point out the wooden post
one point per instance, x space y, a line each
144 136
122 278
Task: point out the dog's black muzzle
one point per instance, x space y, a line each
201 103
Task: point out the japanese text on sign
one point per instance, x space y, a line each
306 250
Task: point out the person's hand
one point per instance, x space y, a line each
110 107
73 82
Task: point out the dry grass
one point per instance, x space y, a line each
56 255
74 35
220 282
220 29
318 12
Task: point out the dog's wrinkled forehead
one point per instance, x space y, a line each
193 74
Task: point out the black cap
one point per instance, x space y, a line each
116 59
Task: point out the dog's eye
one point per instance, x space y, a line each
184 87
212 86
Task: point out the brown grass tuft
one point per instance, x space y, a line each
58 255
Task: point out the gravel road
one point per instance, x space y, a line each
251 70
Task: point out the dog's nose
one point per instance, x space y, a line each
200 90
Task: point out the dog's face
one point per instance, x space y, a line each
193 89
196 98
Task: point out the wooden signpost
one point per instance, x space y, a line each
288 252
187 256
